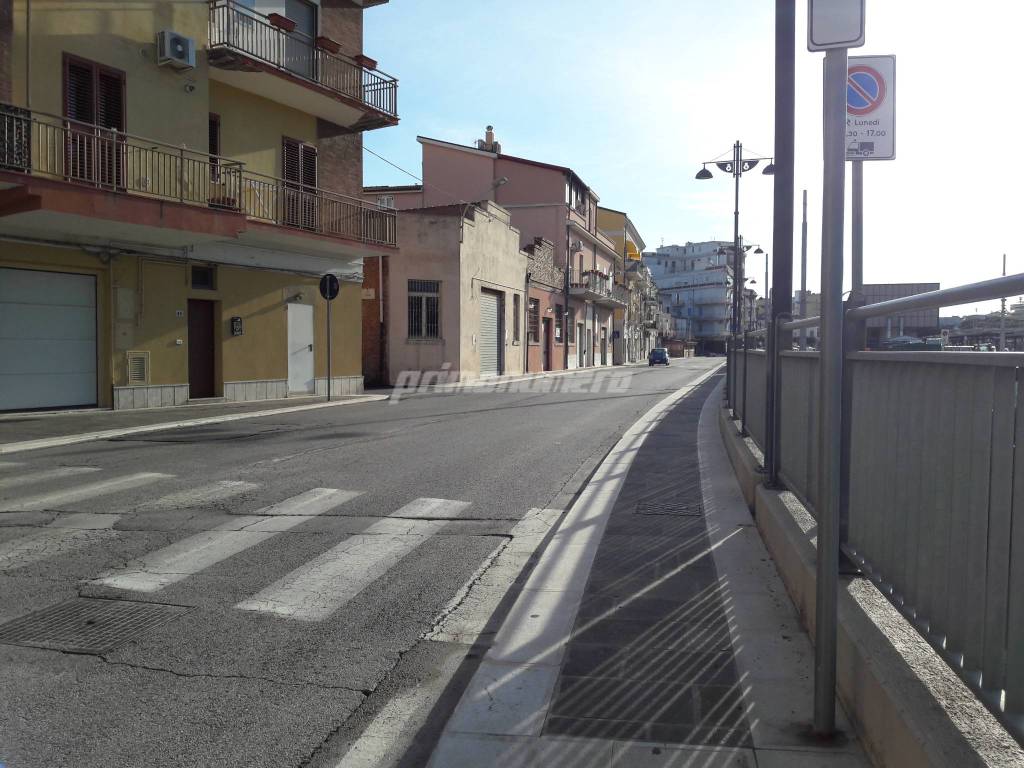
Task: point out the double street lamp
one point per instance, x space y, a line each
737 167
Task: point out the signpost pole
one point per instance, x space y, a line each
857 226
803 273
329 350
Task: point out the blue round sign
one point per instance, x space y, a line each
865 90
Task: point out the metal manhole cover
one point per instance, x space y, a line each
689 509
87 625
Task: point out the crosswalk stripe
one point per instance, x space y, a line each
58 537
10 464
180 560
194 497
78 493
44 475
317 589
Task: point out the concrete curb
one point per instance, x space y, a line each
106 434
910 709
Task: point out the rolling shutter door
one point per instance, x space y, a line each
490 357
47 339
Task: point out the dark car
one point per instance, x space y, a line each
658 356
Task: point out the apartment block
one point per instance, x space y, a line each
175 177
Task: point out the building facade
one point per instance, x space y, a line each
174 180
629 324
695 284
544 201
457 294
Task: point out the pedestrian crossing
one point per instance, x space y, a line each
310 593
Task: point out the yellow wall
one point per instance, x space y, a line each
73 260
120 35
260 298
251 128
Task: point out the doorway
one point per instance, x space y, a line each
604 346
201 349
300 349
581 357
545 347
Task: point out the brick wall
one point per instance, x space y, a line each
375 371
342 22
6 44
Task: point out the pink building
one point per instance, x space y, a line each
569 327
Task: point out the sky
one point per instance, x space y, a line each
634 96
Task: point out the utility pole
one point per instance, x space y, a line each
803 273
1002 315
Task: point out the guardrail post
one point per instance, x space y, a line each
743 395
729 366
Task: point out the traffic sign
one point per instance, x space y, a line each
330 286
870 109
835 24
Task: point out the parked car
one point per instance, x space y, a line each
658 356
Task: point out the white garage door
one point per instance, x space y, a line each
490 326
47 339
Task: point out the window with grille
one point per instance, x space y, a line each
559 319
424 309
533 318
516 309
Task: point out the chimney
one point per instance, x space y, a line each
487 143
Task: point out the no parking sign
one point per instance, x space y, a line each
870 113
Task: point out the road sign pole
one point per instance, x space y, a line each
329 350
803 273
857 226
831 389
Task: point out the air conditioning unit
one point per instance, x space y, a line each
175 49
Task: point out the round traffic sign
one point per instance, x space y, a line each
865 90
330 286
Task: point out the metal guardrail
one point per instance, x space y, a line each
932 483
236 27
53 147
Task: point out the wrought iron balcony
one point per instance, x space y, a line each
55 148
244 41
597 287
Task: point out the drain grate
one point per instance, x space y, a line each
681 508
87 625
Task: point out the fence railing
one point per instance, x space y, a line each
237 27
53 147
932 497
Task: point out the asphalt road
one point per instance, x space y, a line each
304 558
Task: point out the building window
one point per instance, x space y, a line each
576 195
204 278
94 95
516 301
570 330
386 201
299 169
424 309
559 319
533 318
214 138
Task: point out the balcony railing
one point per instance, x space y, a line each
236 27
47 146
597 286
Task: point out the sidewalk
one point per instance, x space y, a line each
27 431
654 630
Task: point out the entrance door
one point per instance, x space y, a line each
604 346
490 334
94 105
590 346
47 339
580 354
300 349
545 345
200 348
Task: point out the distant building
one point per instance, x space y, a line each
695 284
920 323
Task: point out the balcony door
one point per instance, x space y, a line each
94 105
301 204
299 49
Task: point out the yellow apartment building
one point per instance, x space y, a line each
175 178
633 322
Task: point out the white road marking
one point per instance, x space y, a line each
9 464
194 497
65 533
184 558
56 499
317 589
44 475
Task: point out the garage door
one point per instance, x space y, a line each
490 349
47 339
